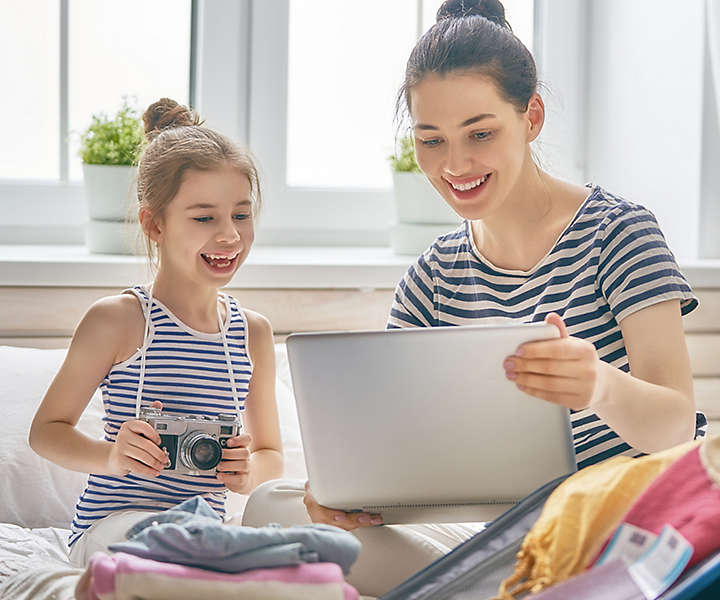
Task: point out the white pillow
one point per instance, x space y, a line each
35 492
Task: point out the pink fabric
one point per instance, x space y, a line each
685 497
108 569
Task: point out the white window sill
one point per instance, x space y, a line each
266 267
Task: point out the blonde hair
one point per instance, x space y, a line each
176 142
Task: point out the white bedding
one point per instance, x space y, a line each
34 564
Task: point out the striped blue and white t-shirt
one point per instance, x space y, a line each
610 261
187 371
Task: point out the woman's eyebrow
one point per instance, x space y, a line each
470 121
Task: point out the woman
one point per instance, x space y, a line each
534 248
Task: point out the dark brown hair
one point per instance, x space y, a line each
472 36
177 142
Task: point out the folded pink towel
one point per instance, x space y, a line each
124 577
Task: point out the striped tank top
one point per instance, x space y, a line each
610 261
187 371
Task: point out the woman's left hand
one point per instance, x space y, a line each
234 468
564 371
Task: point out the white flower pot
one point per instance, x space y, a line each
111 192
113 237
417 201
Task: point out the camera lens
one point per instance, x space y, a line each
200 451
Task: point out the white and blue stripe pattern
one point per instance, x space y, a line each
610 261
187 371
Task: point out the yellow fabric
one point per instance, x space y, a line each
580 515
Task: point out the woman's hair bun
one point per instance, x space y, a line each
492 10
166 114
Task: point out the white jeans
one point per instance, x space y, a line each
390 553
102 533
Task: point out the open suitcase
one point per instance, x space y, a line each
475 569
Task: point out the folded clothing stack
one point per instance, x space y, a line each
125 577
189 550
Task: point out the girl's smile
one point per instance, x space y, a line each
221 263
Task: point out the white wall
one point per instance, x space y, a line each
710 182
561 55
645 109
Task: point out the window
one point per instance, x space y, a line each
309 86
322 99
73 58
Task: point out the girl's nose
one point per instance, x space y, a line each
228 233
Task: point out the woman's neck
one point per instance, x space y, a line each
193 304
525 228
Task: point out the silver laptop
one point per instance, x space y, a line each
421 425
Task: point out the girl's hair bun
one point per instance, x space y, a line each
492 10
166 114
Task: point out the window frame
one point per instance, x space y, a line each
246 100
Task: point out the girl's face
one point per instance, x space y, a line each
470 142
207 229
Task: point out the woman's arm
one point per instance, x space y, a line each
257 457
100 337
651 408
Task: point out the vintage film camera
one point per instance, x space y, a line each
194 443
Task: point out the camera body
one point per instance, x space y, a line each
194 443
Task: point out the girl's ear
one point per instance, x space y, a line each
535 116
149 224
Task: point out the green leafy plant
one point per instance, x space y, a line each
113 141
404 159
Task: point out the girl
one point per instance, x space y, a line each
179 344
532 248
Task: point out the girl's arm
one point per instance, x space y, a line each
651 408
104 333
244 468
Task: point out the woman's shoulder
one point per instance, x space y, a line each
612 207
448 246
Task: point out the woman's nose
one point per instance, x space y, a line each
457 161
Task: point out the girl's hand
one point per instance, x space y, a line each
346 521
234 468
564 371
137 449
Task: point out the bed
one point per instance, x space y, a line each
37 497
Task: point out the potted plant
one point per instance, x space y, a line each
421 212
109 149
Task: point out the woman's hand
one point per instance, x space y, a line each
564 371
234 468
339 518
137 449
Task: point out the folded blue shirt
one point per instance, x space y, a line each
193 534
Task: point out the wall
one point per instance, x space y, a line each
645 100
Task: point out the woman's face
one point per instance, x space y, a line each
470 142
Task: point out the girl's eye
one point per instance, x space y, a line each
242 216
202 219
481 135
430 142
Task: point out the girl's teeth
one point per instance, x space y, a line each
463 187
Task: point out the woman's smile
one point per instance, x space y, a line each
468 188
